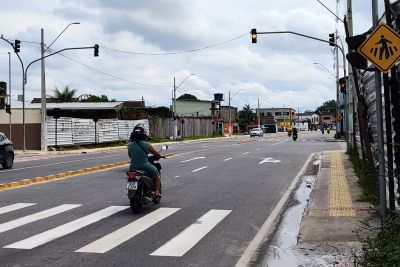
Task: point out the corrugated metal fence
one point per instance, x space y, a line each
367 87
71 131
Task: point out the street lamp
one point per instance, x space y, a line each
43 86
230 118
316 63
174 105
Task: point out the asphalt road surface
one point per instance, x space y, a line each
216 196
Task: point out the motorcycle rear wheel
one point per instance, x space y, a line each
136 201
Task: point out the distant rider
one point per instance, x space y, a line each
139 148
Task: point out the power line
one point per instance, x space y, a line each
176 52
111 75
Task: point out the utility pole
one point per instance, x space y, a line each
379 117
174 107
43 143
9 91
258 112
230 119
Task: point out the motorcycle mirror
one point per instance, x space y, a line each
164 147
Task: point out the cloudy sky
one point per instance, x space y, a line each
145 44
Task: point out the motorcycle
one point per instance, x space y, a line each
328 131
141 187
294 136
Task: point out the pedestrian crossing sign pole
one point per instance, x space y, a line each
382 47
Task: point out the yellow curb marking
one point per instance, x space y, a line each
25 181
339 195
48 178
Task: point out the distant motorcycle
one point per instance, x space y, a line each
328 131
294 136
141 187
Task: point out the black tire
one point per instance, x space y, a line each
136 201
9 161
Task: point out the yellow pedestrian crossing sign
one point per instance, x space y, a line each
382 47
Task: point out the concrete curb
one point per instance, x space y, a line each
58 176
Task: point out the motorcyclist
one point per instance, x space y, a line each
295 131
289 132
138 149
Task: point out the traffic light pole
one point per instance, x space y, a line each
24 78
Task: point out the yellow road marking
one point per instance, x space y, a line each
339 196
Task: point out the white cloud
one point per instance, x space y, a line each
278 70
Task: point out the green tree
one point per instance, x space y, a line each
327 106
65 95
95 98
246 115
187 96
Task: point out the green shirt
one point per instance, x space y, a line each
138 156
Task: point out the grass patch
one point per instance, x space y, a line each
368 177
384 249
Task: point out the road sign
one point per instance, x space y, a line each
339 117
382 47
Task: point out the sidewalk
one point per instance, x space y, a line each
331 226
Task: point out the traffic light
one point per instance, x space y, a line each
355 58
3 94
343 85
17 46
332 39
96 50
253 36
8 109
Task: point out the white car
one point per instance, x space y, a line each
256 132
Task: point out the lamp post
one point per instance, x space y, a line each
175 125
43 86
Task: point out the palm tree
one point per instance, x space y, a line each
246 115
66 95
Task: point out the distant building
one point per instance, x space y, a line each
190 107
284 117
327 118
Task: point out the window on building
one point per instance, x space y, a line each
261 113
278 113
327 118
285 113
269 113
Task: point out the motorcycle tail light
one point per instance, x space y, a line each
132 176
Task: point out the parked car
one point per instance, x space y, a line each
6 152
256 132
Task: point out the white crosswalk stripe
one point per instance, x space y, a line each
16 206
189 237
36 216
65 229
127 232
175 247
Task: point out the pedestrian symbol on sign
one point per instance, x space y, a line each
382 47
385 49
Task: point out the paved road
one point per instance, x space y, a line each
216 195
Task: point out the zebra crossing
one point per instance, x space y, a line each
177 246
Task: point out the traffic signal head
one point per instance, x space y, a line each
354 58
343 84
17 46
8 109
253 36
332 39
96 50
